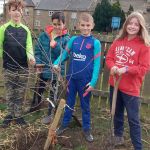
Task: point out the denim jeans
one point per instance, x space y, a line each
131 104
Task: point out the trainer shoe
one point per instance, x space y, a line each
47 119
7 121
61 130
88 136
118 140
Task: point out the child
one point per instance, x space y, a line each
128 57
83 72
16 50
51 44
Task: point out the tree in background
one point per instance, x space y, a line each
118 12
103 14
130 10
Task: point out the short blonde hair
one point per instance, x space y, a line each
143 33
86 17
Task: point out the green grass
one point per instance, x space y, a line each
3 107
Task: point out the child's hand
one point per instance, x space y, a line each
122 70
87 89
53 43
39 69
56 69
32 61
113 70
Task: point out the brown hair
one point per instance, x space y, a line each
16 4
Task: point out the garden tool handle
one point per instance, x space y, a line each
114 99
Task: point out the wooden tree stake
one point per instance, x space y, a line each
52 134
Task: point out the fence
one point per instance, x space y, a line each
102 88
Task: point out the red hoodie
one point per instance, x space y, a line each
136 56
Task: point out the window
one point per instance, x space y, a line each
50 13
74 15
37 23
73 21
26 12
38 12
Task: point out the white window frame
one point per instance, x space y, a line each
26 12
73 15
38 12
50 13
37 23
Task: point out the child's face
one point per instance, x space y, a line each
15 14
85 27
58 26
133 27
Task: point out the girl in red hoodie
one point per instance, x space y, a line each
129 57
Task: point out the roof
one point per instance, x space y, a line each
29 3
81 5
52 5
73 5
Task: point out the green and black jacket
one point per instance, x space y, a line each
15 45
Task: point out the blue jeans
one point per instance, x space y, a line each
74 87
131 104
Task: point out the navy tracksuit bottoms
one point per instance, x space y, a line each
78 85
131 104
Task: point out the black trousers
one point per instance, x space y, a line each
38 92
